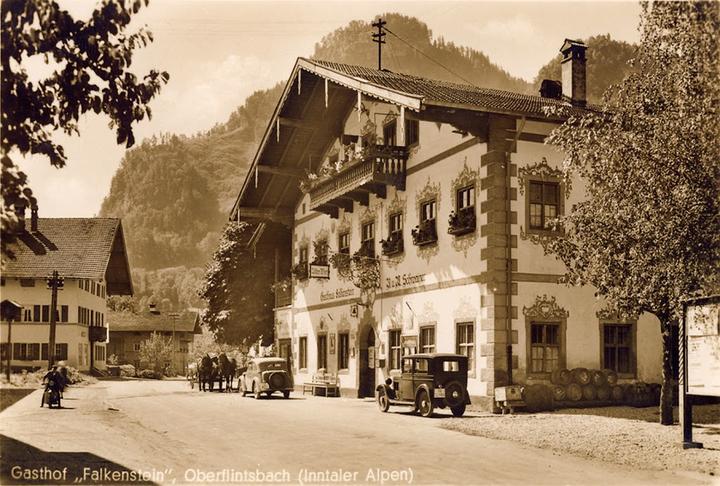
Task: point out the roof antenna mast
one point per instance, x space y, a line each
379 38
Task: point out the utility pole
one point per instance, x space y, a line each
379 38
54 282
10 311
174 316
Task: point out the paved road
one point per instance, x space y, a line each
170 434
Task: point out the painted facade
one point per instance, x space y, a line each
487 290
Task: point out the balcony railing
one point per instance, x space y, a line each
380 164
98 333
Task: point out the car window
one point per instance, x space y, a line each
451 366
421 366
407 366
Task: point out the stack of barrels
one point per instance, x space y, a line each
582 384
581 387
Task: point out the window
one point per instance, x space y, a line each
466 342
407 366
99 353
618 348
395 350
303 257
544 347
27 282
427 339
46 313
322 351
36 313
321 252
396 223
4 351
390 133
33 351
544 204
343 350
136 347
63 313
427 211
466 198
451 366
368 239
344 243
302 351
421 366
27 315
20 351
412 132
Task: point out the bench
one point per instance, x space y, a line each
322 383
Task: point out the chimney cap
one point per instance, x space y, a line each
571 45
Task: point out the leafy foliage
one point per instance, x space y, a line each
607 64
90 61
155 351
648 234
237 288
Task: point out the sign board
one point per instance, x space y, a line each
702 331
319 271
371 357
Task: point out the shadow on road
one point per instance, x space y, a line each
21 463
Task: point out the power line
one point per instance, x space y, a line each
430 58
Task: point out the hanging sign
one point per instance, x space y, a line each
319 271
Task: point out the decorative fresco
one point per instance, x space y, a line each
545 308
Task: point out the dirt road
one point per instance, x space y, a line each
162 432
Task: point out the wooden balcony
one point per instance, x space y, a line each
380 166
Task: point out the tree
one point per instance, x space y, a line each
237 288
155 351
91 72
647 235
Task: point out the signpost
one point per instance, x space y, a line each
699 358
319 271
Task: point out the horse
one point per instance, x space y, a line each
205 373
226 371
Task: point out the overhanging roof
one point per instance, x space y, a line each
318 97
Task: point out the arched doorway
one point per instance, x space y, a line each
366 363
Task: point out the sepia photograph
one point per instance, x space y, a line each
360 242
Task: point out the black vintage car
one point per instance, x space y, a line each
428 381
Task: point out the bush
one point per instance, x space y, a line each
127 370
149 374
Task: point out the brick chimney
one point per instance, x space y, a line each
33 215
20 214
573 72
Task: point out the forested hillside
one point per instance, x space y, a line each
174 192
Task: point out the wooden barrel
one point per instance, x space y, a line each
561 377
581 376
589 392
616 393
558 392
597 378
610 377
573 392
603 392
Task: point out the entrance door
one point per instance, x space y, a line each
285 351
367 365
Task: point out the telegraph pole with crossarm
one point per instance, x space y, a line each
379 38
54 282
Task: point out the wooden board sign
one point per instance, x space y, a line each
702 324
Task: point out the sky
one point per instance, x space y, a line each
220 52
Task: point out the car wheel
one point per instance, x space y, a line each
382 400
256 390
424 404
286 394
458 411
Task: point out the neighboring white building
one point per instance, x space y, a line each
90 254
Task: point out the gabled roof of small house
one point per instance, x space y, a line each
186 321
320 94
90 248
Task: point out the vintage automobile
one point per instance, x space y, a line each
266 375
428 381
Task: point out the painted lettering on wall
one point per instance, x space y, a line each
326 295
404 280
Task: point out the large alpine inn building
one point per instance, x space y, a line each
450 187
90 255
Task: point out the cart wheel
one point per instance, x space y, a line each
382 400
